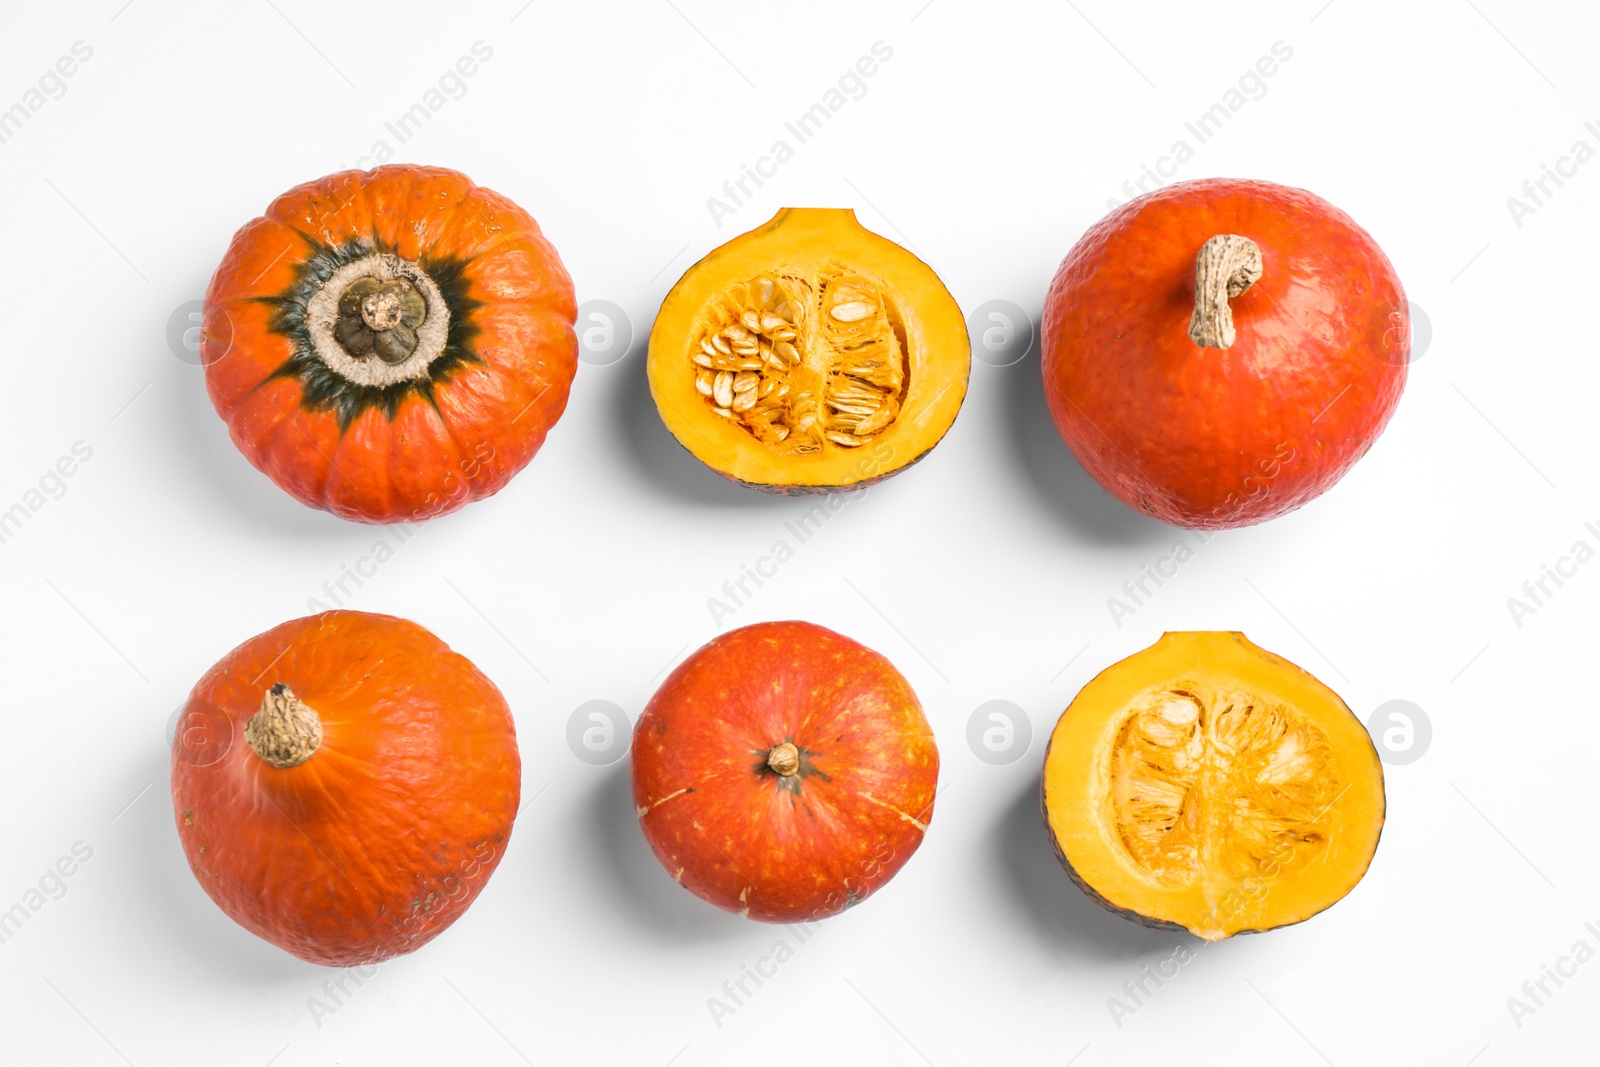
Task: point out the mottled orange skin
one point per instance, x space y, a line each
1212 438
487 418
726 825
381 839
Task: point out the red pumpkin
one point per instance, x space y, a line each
344 785
1217 353
784 772
390 345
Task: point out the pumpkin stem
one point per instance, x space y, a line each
784 759
285 732
1226 266
380 317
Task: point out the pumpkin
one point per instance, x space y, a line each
784 772
809 355
1217 353
390 345
344 785
1205 784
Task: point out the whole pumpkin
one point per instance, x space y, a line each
1217 353
344 785
390 344
784 772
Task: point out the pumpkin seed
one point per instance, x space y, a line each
789 379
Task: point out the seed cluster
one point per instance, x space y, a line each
803 363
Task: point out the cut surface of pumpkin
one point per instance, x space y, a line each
809 354
1209 785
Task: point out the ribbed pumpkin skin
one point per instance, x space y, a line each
398 453
721 821
1210 438
381 839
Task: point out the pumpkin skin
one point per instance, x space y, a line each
1219 437
344 428
780 841
908 356
1205 784
379 840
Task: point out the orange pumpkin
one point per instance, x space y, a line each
344 785
392 344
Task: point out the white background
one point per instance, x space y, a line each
989 141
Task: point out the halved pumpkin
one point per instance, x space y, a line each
808 355
1208 785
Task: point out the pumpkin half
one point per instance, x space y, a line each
344 785
808 355
392 344
784 772
1207 785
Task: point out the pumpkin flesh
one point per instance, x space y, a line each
1208 785
809 354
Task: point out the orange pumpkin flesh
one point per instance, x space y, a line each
390 345
344 785
784 772
809 355
1303 358
1205 784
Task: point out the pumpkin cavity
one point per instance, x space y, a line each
804 360
1220 786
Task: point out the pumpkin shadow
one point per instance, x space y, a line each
165 902
204 457
1072 923
656 905
665 465
1062 486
